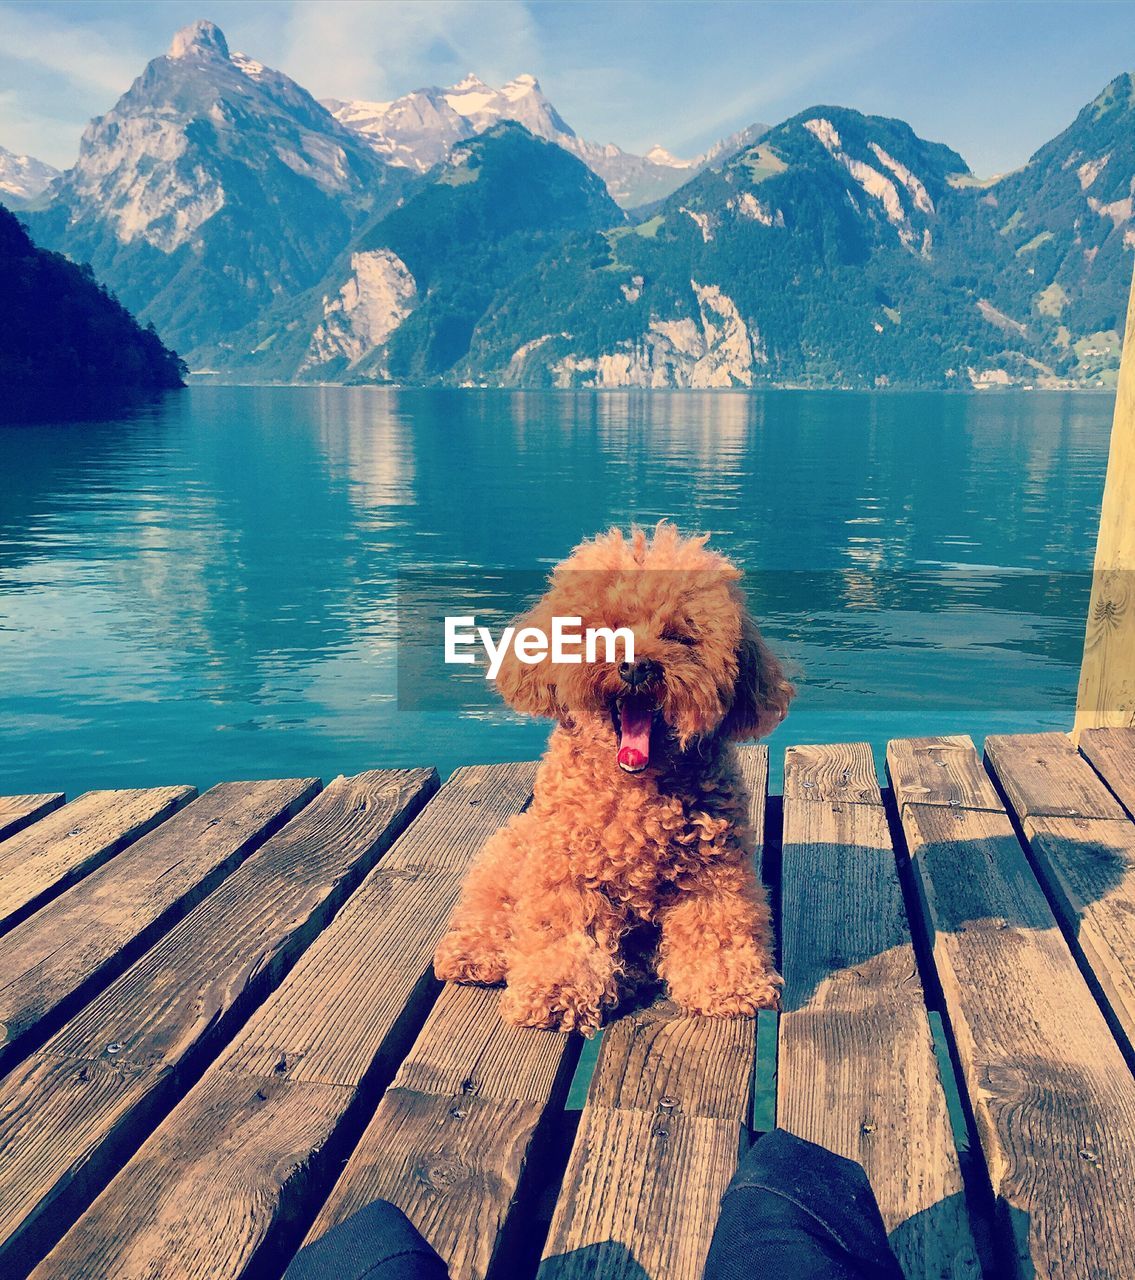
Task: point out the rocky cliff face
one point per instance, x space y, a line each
377 295
403 302
1068 218
715 349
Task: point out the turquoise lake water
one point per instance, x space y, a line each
210 589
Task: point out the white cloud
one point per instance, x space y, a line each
787 79
342 48
57 72
28 132
102 58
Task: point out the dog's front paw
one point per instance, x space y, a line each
734 984
565 987
560 1009
460 959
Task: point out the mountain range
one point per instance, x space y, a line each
420 129
468 236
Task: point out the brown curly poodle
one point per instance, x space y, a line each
637 825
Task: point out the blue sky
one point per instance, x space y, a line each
993 80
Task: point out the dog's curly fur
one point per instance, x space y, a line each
555 900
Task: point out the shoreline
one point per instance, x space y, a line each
194 379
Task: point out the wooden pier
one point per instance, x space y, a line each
220 1033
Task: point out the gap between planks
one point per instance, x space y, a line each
455 1133
1111 752
1085 862
48 857
18 812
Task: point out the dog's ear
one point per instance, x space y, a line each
761 694
530 687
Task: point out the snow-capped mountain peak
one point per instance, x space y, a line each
472 97
659 155
520 86
471 82
419 129
161 163
22 178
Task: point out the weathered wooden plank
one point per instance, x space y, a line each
247 1132
1044 776
1106 693
627 1220
646 1055
383 942
18 812
465 1049
856 1070
1052 1097
1112 754
944 771
453 1133
69 843
843 771
659 1137
70 949
71 1114
1087 865
280 1106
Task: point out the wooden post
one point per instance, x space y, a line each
1107 674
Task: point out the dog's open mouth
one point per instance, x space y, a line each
634 719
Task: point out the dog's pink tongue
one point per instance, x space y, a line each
635 719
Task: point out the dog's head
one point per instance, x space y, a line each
700 666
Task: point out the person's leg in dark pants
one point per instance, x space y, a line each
795 1211
377 1243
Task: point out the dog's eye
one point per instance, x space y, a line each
677 637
